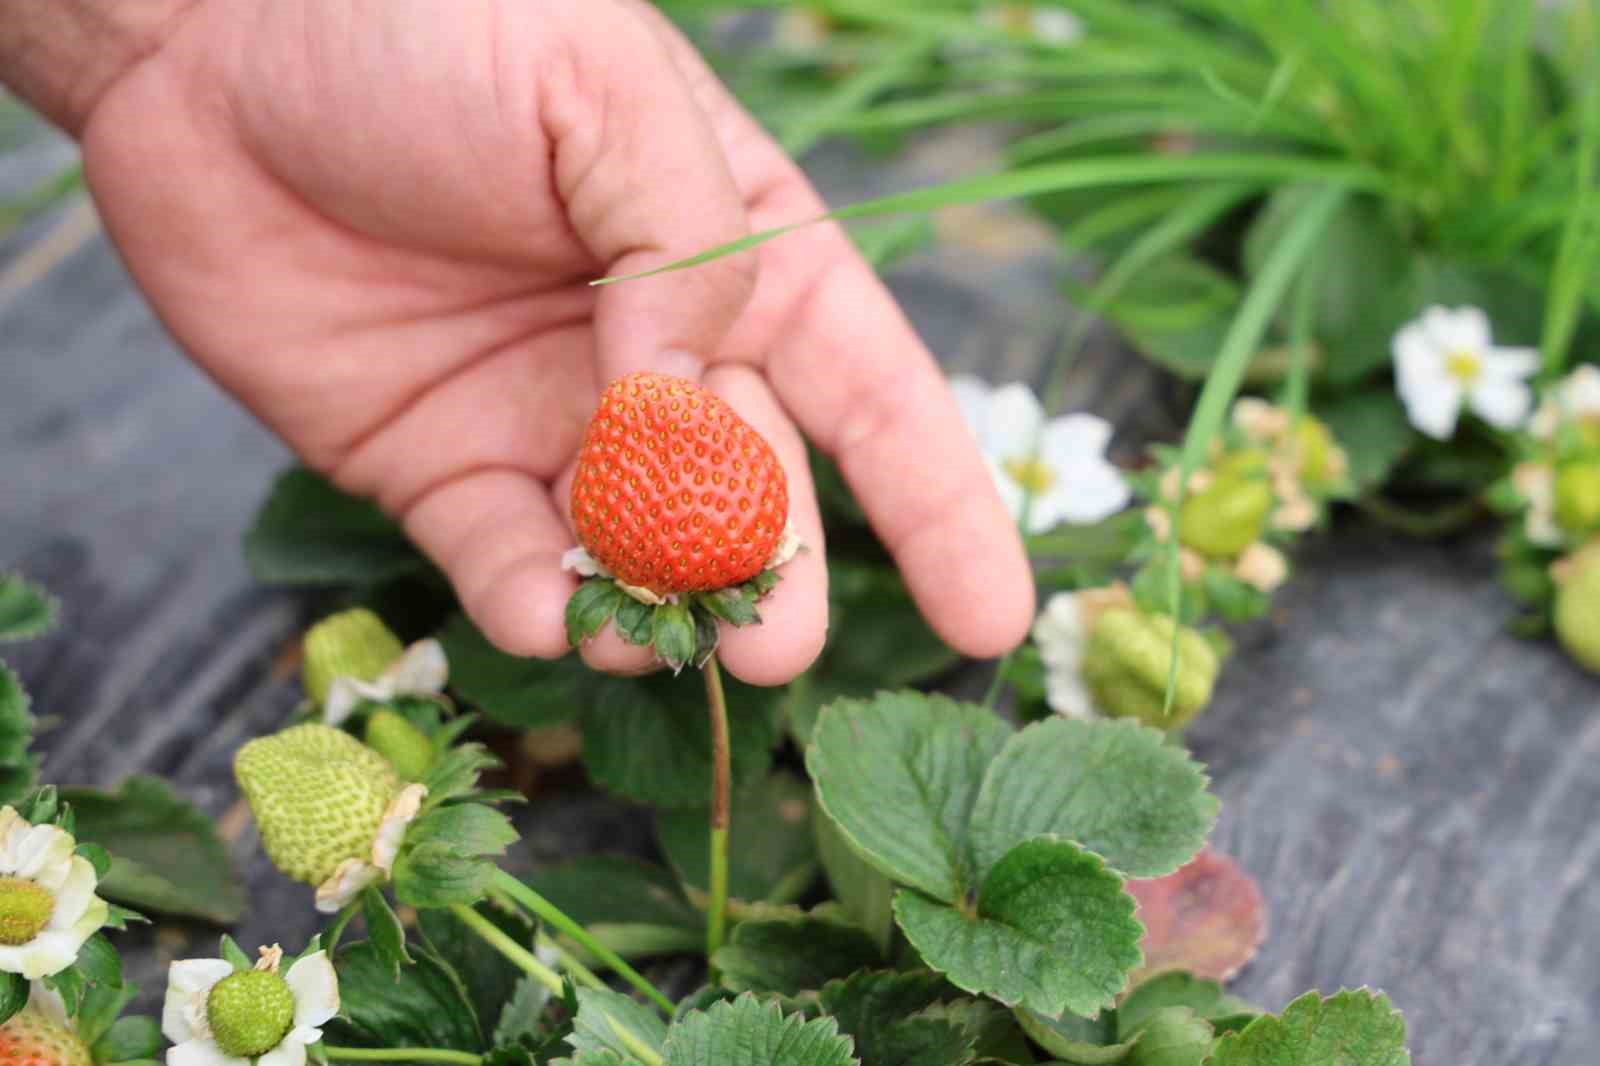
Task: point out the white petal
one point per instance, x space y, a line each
346 882
74 895
1011 494
49 953
1502 402
43 855
290 1052
345 694
1511 362
1087 492
1432 402
1059 633
1015 423
392 830
1057 26
789 546
1074 439
201 1053
421 671
315 988
1415 357
1466 329
12 826
189 982
1541 528
580 562
1068 696
1580 392
1044 513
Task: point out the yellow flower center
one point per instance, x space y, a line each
1032 474
25 910
1466 367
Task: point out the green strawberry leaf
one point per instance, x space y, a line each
520 1018
1115 787
1172 1036
864 894
1081 1041
649 738
310 533
1206 918
523 693
878 1010
436 873
1372 428
771 854
165 853
611 892
1177 989
747 1032
454 774
899 774
1351 1028
791 955
128 1039
993 1029
428 1006
1052 930
17 765
387 935
470 828
610 1021
490 979
27 610
590 607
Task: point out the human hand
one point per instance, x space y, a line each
375 221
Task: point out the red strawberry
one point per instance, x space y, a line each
32 1039
674 492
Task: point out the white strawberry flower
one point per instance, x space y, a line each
1446 359
1060 634
1575 399
47 903
217 1015
1053 470
422 670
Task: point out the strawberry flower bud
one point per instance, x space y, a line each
47 903
217 1015
1226 517
351 657
1577 607
1577 498
331 811
1127 662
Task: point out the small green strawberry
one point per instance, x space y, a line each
1127 661
1227 516
31 1038
354 644
318 796
406 747
250 1012
1577 494
1577 608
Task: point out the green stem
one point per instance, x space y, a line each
630 1040
570 963
553 916
991 697
400 1054
498 939
721 802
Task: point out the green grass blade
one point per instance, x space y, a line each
1079 174
1580 240
1239 347
854 93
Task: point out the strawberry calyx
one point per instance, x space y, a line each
682 631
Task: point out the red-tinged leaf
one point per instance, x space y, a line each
1207 918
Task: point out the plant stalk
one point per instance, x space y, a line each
498 939
554 917
721 803
400 1054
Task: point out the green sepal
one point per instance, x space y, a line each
593 605
455 774
234 955
384 931
98 857
673 635
635 622
707 635
730 605
14 990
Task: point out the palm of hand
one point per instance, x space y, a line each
378 234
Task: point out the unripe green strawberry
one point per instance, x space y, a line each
1127 661
1578 498
673 491
353 644
318 796
250 1012
30 1038
406 747
1577 610
1226 517
1315 449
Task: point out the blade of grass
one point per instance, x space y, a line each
1079 174
1575 261
855 92
1239 346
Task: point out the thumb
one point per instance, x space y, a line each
645 182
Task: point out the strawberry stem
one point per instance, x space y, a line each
400 1054
557 919
497 938
721 787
